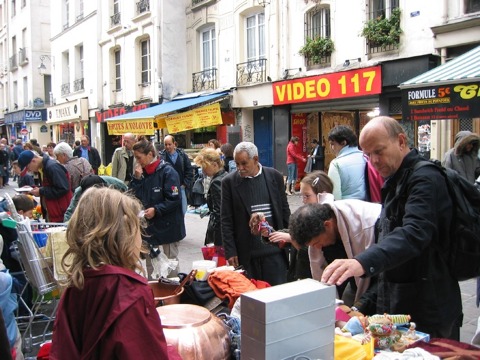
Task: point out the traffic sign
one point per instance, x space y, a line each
24 132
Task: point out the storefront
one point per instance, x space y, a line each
192 119
69 120
28 124
448 92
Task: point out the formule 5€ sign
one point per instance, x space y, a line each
345 84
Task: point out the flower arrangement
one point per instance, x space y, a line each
317 48
383 31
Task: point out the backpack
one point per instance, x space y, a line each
464 253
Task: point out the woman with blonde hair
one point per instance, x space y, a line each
107 310
212 166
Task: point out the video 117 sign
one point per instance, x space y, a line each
457 101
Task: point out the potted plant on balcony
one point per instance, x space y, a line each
317 49
382 31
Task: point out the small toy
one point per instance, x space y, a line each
259 225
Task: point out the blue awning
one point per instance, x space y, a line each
169 107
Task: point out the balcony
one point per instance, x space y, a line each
22 56
13 63
78 84
204 80
143 6
251 72
65 89
115 19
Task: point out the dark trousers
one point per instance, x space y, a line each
271 268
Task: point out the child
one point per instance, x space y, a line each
24 205
24 178
107 310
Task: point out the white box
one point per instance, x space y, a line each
288 327
288 320
318 343
287 300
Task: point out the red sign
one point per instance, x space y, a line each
24 132
345 84
102 115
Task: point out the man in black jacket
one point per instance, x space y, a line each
181 163
413 240
253 188
88 152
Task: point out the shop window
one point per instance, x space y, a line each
472 6
395 106
466 125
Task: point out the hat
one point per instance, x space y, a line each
25 158
91 180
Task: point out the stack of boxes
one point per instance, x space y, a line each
289 320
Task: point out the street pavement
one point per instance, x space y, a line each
190 250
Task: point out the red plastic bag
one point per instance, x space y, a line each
215 253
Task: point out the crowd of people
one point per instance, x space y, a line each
381 258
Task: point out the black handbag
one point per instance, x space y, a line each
196 292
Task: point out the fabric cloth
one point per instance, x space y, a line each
467 164
356 221
214 200
236 212
447 348
55 190
93 157
229 284
347 172
161 190
112 317
110 181
119 163
409 257
77 168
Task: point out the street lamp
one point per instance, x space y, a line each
42 68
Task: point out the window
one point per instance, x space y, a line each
66 15
116 7
256 37
25 91
14 8
318 23
208 49
24 3
382 8
472 6
145 59
118 76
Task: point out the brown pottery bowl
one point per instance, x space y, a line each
163 293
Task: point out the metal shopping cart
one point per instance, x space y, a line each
38 270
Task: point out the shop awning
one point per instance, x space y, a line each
144 122
450 91
463 69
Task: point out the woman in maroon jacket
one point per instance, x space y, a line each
292 157
107 310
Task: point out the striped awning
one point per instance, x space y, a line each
462 69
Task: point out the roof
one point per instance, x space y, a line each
462 69
165 108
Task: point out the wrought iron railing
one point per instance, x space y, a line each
78 84
65 89
115 19
373 48
204 80
323 61
252 72
143 6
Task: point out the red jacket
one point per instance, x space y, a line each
113 317
292 154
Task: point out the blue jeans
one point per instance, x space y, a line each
291 173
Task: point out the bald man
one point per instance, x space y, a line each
181 163
409 258
123 161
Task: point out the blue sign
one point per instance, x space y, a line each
37 102
26 115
